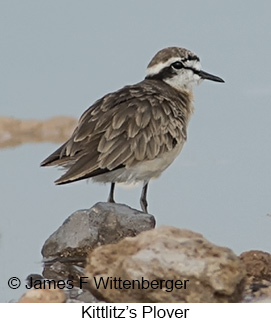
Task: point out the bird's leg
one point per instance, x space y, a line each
143 198
111 194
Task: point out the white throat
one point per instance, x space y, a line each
184 81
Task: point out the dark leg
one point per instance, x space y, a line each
143 198
111 194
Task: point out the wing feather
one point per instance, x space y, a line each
123 128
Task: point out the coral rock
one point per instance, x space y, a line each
164 257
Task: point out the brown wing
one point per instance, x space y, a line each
123 128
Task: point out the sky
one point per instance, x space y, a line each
58 56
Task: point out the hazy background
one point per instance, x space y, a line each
58 56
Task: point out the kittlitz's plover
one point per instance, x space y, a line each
134 134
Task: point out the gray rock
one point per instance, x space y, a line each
77 295
63 269
209 273
104 223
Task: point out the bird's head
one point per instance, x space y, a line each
178 67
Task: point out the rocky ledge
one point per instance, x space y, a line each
112 253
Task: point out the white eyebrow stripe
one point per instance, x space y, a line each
153 70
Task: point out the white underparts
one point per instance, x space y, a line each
145 170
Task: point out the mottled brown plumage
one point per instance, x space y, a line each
137 123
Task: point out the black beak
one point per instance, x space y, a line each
207 76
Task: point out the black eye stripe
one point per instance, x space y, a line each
178 65
169 71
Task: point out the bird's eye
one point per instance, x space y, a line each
177 65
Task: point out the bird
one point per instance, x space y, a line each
133 134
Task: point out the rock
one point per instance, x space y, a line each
257 291
72 293
258 264
63 269
264 300
258 282
104 223
77 295
163 257
43 296
87 297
